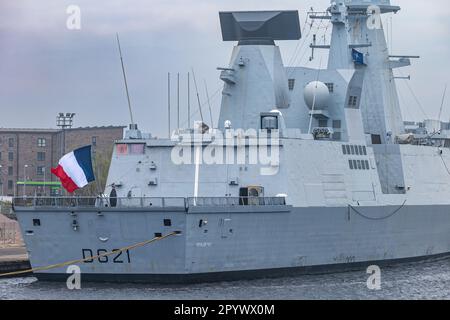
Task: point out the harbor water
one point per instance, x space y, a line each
419 280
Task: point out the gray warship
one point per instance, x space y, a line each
307 170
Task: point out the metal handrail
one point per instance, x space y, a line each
236 201
145 202
99 202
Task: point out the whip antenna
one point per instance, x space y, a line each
442 103
209 104
198 96
133 126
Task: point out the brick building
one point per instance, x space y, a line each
26 155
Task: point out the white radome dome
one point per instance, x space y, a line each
321 93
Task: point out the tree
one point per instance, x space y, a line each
100 163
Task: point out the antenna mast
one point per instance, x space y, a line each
133 126
442 103
168 102
178 101
209 104
198 96
189 99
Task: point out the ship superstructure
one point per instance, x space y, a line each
307 168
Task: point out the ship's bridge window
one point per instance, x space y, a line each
352 101
121 149
330 86
337 124
133 148
291 83
137 148
323 123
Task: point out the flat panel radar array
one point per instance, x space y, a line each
260 26
362 5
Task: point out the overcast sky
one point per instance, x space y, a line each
46 68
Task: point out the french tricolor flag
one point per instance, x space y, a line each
75 169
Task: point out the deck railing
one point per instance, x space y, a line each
145 202
236 201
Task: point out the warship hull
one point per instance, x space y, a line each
229 243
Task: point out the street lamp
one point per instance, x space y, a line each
64 121
25 180
45 180
1 181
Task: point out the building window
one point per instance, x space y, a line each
10 184
330 86
352 101
41 142
40 171
94 141
10 171
11 142
291 83
41 156
11 156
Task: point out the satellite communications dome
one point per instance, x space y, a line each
316 93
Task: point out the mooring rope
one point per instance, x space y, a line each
379 218
68 263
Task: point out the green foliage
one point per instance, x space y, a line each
5 207
100 163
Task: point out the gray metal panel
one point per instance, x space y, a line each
239 241
253 25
